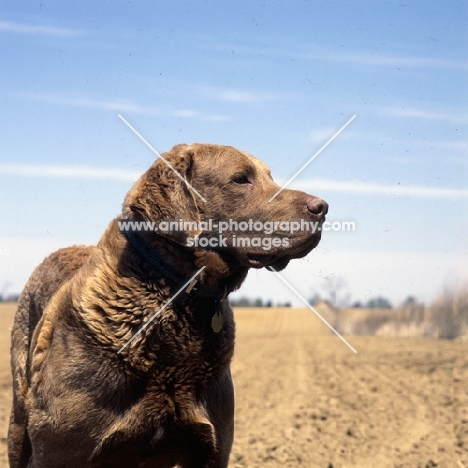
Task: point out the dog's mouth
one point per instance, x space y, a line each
267 261
260 260
274 261
277 262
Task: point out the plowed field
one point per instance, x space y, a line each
304 399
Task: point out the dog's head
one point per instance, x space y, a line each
224 201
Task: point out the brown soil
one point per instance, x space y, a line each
304 399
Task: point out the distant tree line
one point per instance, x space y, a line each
9 297
378 302
257 302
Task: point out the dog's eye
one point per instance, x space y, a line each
241 179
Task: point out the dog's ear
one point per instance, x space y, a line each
161 196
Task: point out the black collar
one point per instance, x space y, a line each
152 256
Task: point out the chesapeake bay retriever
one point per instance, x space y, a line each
89 390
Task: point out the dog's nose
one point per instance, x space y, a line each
317 207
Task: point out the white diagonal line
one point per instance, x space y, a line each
312 158
312 309
161 309
159 155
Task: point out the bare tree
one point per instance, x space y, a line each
337 291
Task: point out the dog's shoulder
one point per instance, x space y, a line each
43 283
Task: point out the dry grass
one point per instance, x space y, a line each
446 318
449 313
383 322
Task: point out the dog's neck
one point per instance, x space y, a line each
154 255
192 286
116 266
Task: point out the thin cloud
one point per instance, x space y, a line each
411 112
34 29
245 96
191 114
216 118
120 106
365 188
324 134
370 59
394 61
318 53
68 172
187 113
115 106
455 145
362 188
238 96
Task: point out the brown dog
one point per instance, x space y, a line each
89 390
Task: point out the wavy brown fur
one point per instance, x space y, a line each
167 398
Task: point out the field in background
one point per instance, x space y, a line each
6 318
446 318
304 399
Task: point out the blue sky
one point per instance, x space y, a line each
276 79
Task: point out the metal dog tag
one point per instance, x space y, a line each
217 321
